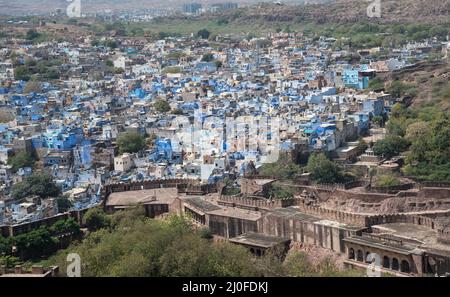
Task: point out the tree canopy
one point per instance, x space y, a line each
39 184
207 57
21 160
135 246
41 241
322 169
95 219
425 132
32 34
131 142
283 169
162 106
203 33
390 146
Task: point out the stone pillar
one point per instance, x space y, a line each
417 264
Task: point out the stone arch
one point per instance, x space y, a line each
367 257
395 264
351 254
258 252
252 250
386 262
360 256
404 266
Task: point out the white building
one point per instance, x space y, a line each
123 163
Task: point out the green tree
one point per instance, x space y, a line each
205 233
283 169
39 184
130 142
172 69
390 146
95 42
418 131
387 181
21 160
32 34
194 257
35 243
177 111
278 191
203 33
9 261
111 43
136 246
207 57
162 106
22 73
362 145
95 219
299 264
5 246
399 89
322 169
379 120
65 227
64 204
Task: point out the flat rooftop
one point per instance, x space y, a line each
295 213
201 204
262 182
150 196
418 233
209 205
259 240
423 236
239 213
379 244
345 149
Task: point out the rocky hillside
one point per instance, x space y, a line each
343 11
338 11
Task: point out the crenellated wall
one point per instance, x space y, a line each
335 215
189 186
254 204
16 229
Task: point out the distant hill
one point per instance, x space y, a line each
337 11
345 11
21 7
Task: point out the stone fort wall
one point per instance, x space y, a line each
182 184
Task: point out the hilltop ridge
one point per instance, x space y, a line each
342 11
